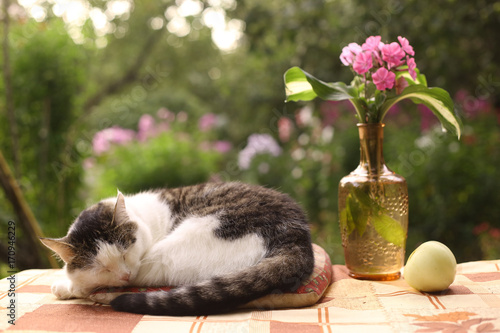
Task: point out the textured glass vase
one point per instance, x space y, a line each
373 209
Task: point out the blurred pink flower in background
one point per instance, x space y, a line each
329 112
88 163
182 116
103 139
166 114
284 129
495 233
147 127
486 227
257 144
394 110
479 229
471 105
207 122
427 118
304 116
162 127
223 146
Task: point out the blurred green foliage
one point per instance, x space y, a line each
171 159
451 184
47 76
113 78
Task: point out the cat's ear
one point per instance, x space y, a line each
120 214
63 249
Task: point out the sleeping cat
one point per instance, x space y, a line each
223 244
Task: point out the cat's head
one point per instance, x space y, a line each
100 248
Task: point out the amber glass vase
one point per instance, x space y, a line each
373 209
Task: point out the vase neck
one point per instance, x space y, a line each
371 140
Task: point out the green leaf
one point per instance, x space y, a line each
301 85
297 87
346 222
359 214
364 198
436 99
389 229
419 80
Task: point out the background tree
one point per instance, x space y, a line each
90 65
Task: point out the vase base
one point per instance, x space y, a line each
376 277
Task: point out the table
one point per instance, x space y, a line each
471 304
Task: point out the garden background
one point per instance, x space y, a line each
100 95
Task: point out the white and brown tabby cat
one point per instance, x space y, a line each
223 244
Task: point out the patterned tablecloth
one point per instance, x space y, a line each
471 304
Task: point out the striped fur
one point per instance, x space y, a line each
223 244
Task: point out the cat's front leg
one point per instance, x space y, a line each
65 289
103 298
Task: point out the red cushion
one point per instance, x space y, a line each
307 294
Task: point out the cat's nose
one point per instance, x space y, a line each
125 277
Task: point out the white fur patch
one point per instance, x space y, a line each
189 254
192 253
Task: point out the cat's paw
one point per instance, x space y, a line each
104 298
65 289
62 289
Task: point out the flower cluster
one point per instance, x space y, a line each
147 128
150 127
380 61
257 144
385 74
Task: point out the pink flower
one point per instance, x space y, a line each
427 118
479 229
406 45
304 116
349 52
371 43
472 105
401 84
363 62
392 54
257 144
121 136
383 79
411 67
88 163
100 143
222 146
162 127
495 233
164 113
146 127
207 122
284 129
329 112
103 139
394 110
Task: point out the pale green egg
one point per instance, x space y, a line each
431 267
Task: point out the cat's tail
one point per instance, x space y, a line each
280 272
